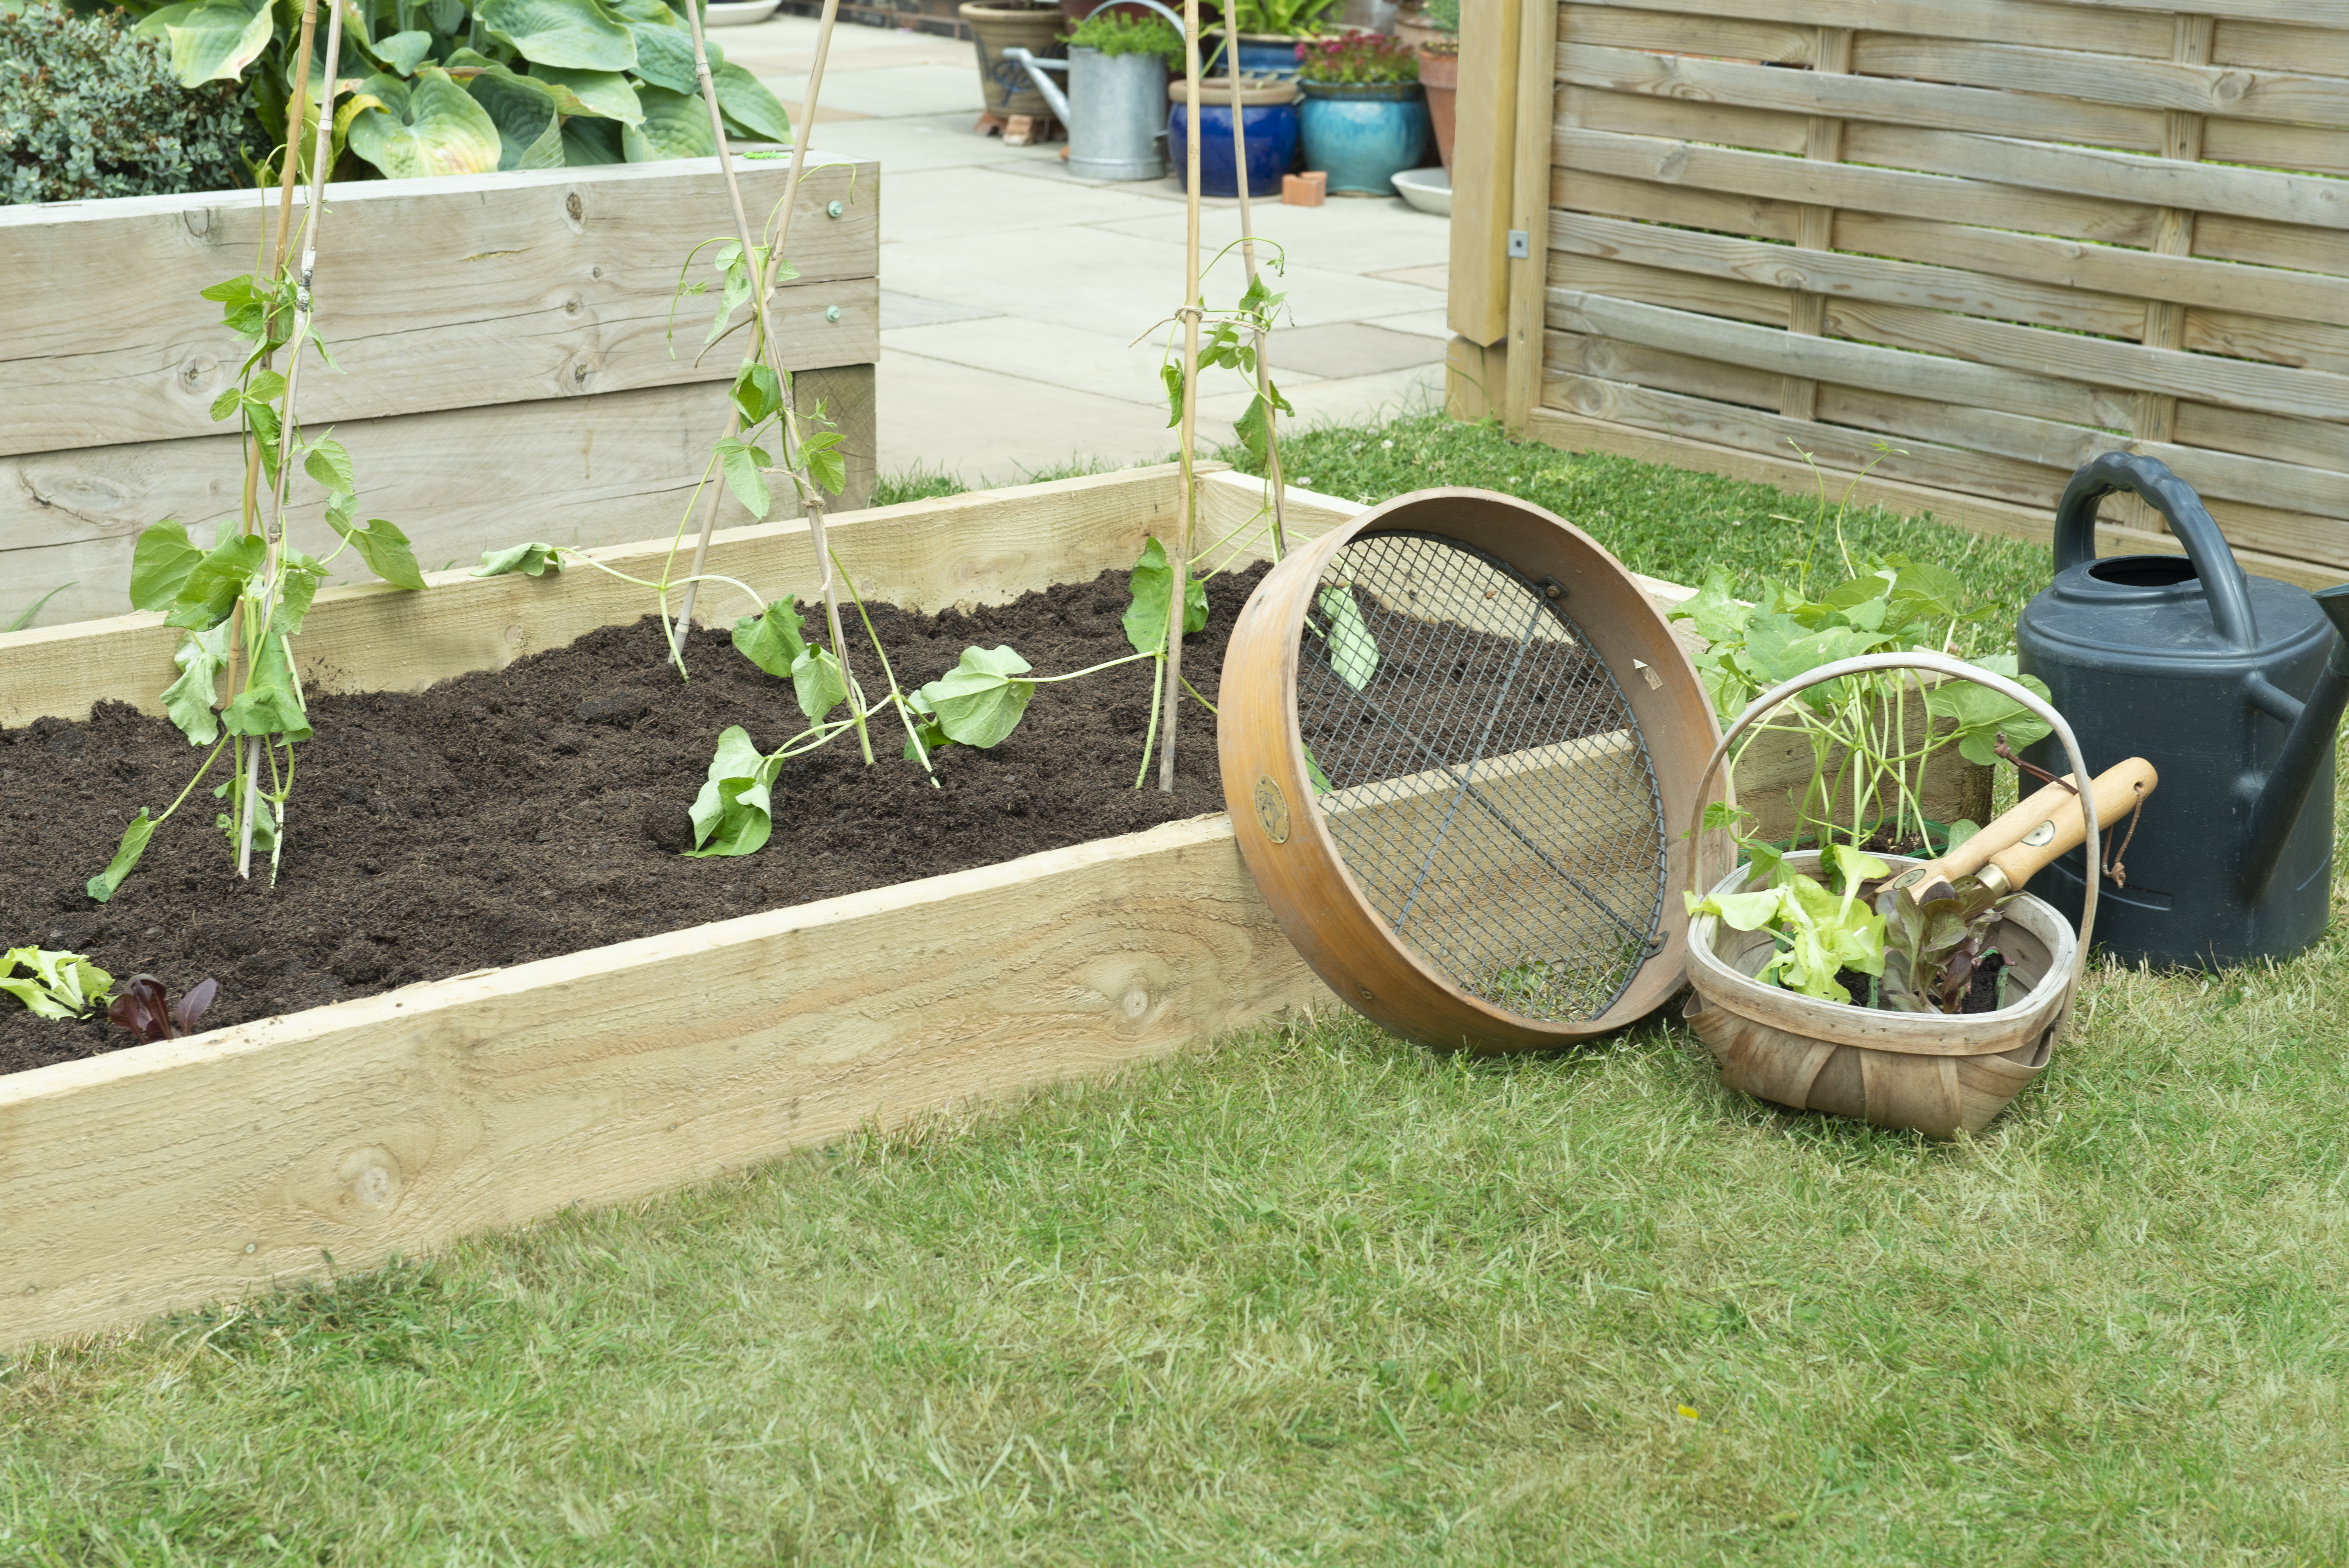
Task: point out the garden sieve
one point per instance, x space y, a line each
1454 734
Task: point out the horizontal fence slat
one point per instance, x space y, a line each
2312 443
2300 13
2057 25
455 291
1836 275
1677 290
2237 382
2279 342
1785 43
2189 281
1729 86
2265 194
2263 142
1835 446
2280 46
1576 354
1847 185
2265 244
1834 359
1726 210
2111 79
1686 118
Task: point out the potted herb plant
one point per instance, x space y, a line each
1268 33
1363 117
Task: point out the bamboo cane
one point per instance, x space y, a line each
1247 254
812 494
319 148
1179 559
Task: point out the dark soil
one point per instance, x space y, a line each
512 815
1982 991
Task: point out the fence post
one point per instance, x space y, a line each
1529 206
1484 151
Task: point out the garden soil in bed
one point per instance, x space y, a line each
507 816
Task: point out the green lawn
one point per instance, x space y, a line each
1313 1294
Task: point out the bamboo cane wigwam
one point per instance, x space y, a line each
1928 1073
1453 735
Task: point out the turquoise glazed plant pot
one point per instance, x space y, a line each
1363 136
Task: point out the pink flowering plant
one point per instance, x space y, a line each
1357 59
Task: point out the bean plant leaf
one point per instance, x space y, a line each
189 700
141 829
827 464
733 815
383 547
1982 715
160 564
758 394
529 559
1254 428
773 641
212 40
1353 652
328 463
675 126
741 463
1170 375
428 126
931 740
269 703
817 682
210 588
980 700
1146 613
745 99
607 94
303 575
584 35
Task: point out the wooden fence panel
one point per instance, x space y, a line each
2003 235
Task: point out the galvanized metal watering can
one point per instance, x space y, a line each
1115 108
2232 687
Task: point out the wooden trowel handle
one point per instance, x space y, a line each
2004 832
2115 793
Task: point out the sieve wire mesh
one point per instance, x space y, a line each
1481 775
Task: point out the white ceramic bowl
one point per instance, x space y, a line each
1429 189
739 13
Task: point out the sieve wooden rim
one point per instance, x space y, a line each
1301 872
1941 664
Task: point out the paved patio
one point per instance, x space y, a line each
1012 295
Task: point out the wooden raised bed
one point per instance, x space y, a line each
167 1175
508 327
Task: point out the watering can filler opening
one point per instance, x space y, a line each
2232 687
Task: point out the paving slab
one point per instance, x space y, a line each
1069 357
1339 349
986 427
949 202
911 309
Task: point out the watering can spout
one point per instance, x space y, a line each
2304 752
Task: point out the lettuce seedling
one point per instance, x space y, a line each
60 985
1819 934
144 1007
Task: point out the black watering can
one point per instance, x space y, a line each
2231 686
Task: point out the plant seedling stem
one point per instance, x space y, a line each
302 312
1179 579
811 493
1247 254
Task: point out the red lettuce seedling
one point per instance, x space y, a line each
139 1006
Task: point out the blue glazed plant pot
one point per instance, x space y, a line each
1272 137
1363 136
1261 54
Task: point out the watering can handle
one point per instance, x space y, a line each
1938 663
2223 584
1153 5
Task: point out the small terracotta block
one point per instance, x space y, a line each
1308 190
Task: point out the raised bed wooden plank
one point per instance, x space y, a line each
593 470
566 281
171 1175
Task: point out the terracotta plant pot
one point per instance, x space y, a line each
995 28
1439 75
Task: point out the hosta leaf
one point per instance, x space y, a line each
606 94
529 559
189 700
430 126
733 813
160 564
530 125
980 700
1145 612
141 829
589 142
1353 653
212 40
675 126
665 57
403 52
581 34
817 682
773 641
746 100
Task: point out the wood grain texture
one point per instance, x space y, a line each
1732 38
2283 95
583 470
166 1176
457 292
2058 26
2281 46
1615 196
1529 199
1483 172
1570 431
984 547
